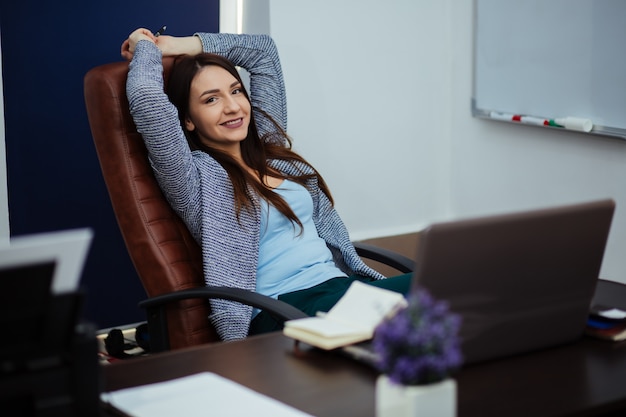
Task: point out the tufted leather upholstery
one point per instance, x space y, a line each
164 253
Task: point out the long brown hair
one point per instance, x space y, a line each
256 151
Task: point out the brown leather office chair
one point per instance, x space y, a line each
165 255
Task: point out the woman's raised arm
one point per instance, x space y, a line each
258 55
169 45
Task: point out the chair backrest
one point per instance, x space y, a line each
164 253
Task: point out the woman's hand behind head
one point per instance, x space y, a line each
128 46
169 45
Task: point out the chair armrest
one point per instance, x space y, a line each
155 306
279 309
385 256
157 320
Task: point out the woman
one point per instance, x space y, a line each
262 215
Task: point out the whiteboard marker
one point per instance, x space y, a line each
501 116
528 120
575 123
571 123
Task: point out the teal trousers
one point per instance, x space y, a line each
323 297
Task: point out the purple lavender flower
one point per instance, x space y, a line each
420 344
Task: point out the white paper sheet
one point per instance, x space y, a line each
202 394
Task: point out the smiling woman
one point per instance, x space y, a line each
219 111
262 214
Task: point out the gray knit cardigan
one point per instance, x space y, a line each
199 189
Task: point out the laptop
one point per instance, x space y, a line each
520 281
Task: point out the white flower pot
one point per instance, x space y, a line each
432 400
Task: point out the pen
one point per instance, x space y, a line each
160 31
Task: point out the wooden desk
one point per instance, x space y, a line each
583 378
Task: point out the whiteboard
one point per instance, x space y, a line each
552 59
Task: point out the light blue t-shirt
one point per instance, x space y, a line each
291 259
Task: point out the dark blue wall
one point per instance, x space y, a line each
54 178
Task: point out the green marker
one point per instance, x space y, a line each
551 122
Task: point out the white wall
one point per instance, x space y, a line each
4 200
379 96
368 106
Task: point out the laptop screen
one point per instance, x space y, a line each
23 308
40 274
520 281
